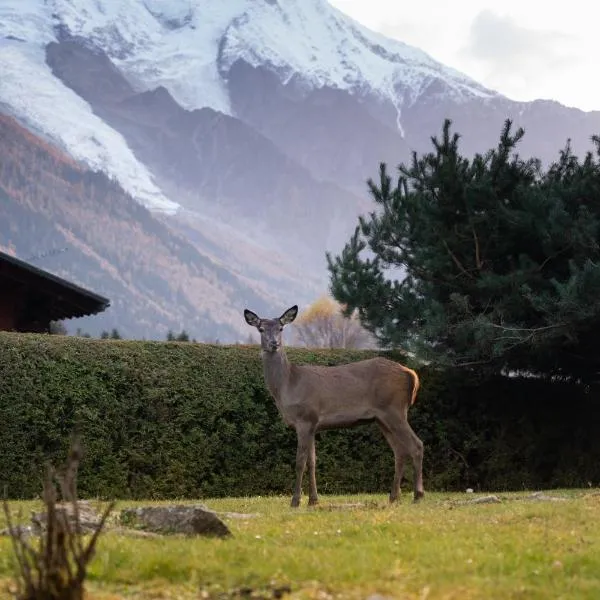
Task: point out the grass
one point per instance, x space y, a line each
439 549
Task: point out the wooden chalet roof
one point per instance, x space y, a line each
48 296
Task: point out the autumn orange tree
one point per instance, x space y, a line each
323 325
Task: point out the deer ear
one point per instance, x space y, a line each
251 318
289 315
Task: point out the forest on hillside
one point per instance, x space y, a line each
155 279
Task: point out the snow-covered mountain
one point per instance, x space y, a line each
250 122
189 47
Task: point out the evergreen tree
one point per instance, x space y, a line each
489 261
112 335
57 328
183 336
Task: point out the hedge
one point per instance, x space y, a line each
163 420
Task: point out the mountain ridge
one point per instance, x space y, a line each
248 129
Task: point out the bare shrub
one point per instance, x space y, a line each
54 566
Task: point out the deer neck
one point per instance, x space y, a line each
277 371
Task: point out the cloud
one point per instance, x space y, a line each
509 49
525 49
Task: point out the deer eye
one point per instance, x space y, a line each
261 329
280 328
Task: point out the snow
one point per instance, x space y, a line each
26 20
189 46
43 103
173 43
327 48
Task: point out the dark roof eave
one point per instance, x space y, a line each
78 314
101 302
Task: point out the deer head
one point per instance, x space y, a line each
270 329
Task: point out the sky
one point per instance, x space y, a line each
524 49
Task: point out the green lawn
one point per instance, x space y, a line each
520 548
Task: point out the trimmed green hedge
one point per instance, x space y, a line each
181 420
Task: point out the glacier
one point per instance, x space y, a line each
46 105
31 93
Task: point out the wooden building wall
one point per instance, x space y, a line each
10 300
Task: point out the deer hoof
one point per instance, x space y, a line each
313 501
295 503
418 496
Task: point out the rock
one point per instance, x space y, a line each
89 519
177 518
23 530
491 499
148 521
540 496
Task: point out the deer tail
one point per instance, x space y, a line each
416 384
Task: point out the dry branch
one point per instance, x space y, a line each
55 567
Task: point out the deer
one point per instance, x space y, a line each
313 398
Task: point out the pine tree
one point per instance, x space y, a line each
489 261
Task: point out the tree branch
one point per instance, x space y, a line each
533 330
456 261
478 262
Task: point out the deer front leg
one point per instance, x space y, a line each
304 435
398 461
313 497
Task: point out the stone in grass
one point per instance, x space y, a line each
542 497
491 499
89 519
187 519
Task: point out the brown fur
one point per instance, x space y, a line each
312 398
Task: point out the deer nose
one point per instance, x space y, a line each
273 345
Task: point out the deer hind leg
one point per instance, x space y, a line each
306 438
414 447
398 461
